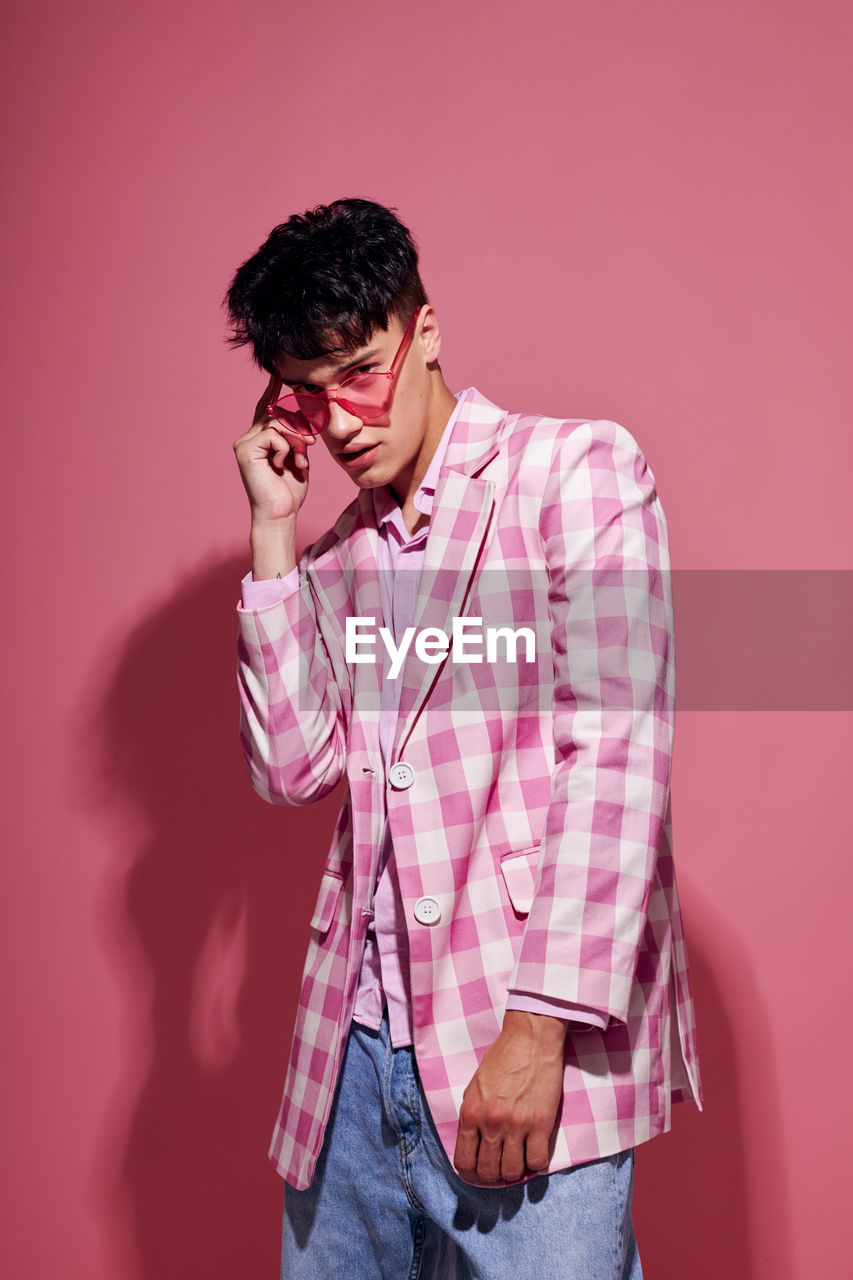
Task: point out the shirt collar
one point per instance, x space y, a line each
384 502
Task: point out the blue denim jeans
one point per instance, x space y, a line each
387 1204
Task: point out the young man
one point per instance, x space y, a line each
496 1007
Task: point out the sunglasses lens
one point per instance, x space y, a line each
369 395
305 416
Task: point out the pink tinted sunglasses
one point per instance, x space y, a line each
364 395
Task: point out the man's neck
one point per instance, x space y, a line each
406 484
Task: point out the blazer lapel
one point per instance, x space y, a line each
346 578
460 527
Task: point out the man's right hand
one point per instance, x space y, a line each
273 464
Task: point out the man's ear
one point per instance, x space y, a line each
430 335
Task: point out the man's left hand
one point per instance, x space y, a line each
510 1107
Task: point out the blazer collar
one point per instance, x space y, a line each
477 434
474 441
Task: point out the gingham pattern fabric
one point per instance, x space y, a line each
538 818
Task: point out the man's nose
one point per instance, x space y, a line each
341 423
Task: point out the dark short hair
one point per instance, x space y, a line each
323 281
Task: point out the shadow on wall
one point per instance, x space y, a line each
204 919
205 922
694 1210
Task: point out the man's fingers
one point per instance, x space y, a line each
465 1155
263 422
283 445
489 1159
512 1160
500 1158
292 434
300 455
537 1151
270 394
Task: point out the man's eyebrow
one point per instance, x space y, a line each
364 357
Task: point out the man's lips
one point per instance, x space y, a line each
354 457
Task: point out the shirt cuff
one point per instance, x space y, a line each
268 591
580 1015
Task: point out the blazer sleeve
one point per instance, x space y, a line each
294 698
609 602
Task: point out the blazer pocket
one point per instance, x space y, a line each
327 901
519 868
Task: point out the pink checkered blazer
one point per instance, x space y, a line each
536 813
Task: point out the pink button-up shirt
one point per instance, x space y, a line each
384 970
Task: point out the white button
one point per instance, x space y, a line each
402 775
427 911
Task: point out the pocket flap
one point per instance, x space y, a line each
519 868
327 901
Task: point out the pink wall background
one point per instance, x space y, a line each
634 211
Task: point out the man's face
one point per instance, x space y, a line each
376 451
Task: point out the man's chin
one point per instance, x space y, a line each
368 480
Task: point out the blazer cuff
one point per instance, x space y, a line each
580 1016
